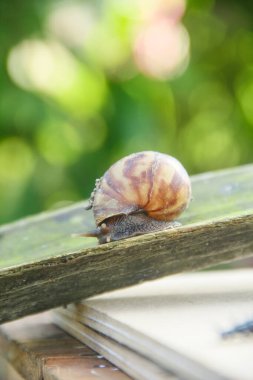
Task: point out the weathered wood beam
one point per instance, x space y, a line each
42 267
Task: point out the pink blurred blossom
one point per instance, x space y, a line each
161 44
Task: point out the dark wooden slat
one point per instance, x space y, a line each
81 369
42 267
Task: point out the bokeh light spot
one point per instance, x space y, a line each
49 68
162 49
245 94
207 143
72 22
93 135
59 143
211 96
16 161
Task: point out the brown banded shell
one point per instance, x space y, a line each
147 181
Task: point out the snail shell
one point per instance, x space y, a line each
148 181
149 184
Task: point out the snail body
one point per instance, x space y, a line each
140 193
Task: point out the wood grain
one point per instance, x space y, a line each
81 369
37 349
42 267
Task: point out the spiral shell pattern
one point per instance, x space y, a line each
147 181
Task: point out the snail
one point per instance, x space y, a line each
141 193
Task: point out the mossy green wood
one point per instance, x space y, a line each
42 266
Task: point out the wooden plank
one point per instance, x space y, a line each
176 322
37 349
81 369
42 267
135 365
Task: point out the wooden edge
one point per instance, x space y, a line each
136 365
116 265
131 363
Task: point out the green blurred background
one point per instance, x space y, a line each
84 83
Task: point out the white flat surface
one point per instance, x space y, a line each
184 313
